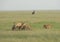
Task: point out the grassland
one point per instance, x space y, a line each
38 33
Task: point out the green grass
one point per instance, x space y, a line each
30 36
38 33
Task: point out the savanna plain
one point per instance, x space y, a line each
36 21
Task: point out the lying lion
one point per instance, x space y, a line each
47 26
21 26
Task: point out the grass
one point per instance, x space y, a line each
38 33
30 36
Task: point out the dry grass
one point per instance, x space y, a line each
30 36
38 34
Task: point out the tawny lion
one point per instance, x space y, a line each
21 26
47 26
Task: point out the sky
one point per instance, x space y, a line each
29 4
